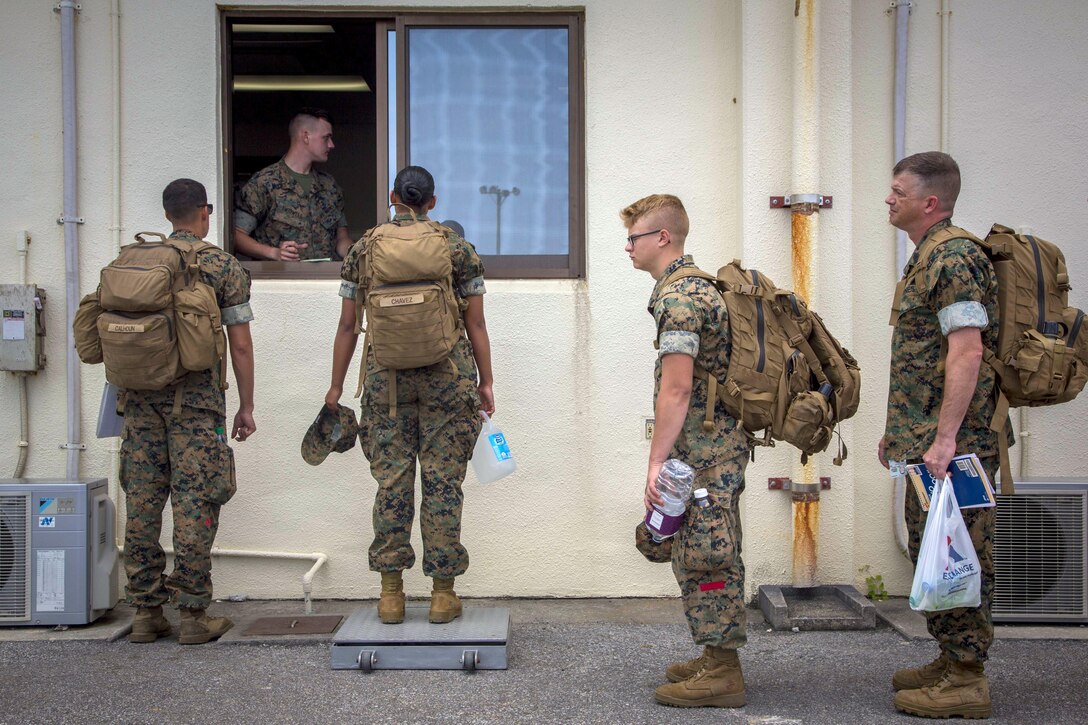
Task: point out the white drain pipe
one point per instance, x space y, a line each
318 558
67 10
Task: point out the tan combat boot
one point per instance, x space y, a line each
718 683
391 603
197 627
148 625
913 678
962 692
680 671
445 604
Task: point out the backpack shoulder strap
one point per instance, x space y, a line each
929 247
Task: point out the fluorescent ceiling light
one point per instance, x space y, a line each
269 28
351 84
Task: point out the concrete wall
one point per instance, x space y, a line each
693 98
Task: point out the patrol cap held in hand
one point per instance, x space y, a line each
658 552
331 431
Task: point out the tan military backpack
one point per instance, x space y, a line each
788 376
412 316
1042 350
152 319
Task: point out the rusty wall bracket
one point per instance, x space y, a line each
786 484
819 201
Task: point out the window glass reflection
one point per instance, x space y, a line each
489 118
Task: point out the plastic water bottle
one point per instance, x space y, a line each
491 458
701 498
674 486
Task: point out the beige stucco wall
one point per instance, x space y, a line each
573 359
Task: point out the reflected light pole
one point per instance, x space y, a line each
500 197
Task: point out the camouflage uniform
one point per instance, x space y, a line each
273 207
692 320
437 422
175 451
957 289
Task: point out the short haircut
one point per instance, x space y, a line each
182 197
414 185
306 116
938 172
666 210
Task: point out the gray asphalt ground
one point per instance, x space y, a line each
570 661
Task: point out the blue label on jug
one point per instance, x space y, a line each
499 446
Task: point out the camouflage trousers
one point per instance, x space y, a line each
965 633
180 457
435 423
706 559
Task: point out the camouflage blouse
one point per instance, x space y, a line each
692 320
956 289
273 207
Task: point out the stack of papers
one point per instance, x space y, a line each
969 481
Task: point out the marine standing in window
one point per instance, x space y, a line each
427 413
693 327
291 211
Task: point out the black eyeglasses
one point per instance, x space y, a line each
211 208
631 239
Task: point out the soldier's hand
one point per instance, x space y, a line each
332 398
244 426
651 496
938 457
289 250
487 399
880 452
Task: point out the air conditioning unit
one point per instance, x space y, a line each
1041 553
58 559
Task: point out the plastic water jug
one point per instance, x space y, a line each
491 458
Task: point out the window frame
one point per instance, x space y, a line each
568 266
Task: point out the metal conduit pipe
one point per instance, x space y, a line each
67 10
804 227
20 378
24 426
317 557
902 243
115 229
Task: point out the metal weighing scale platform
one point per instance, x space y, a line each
476 640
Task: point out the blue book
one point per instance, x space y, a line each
969 481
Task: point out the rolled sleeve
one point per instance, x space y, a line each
678 341
473 287
348 290
245 221
959 315
237 314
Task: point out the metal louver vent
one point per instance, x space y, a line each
1041 553
14 557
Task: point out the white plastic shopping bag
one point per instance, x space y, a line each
947 574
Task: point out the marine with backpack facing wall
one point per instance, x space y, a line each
155 321
421 385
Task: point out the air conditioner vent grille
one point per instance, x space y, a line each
14 557
1040 564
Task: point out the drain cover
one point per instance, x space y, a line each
304 624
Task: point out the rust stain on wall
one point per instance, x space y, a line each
806 533
803 224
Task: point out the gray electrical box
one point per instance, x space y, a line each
22 344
